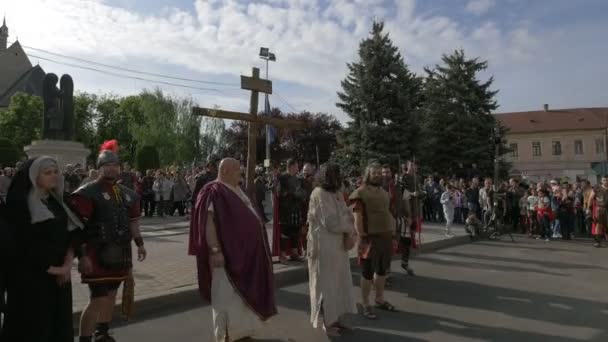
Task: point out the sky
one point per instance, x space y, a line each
538 51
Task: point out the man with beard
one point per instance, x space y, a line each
375 226
413 195
111 214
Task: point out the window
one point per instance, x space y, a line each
578 147
556 148
536 150
599 145
513 150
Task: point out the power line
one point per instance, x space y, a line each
128 76
130 70
285 102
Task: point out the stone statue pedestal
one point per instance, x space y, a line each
66 152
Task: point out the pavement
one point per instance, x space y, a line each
168 276
529 290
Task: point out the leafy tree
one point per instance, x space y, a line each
113 122
147 159
302 143
158 124
458 124
84 117
213 138
22 122
382 98
188 131
9 154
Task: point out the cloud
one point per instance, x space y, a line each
313 41
479 7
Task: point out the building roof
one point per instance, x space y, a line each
30 82
555 120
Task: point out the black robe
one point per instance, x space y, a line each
38 309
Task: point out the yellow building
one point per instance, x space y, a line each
558 143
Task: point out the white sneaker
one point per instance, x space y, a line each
448 235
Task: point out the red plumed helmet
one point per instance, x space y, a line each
108 153
109 145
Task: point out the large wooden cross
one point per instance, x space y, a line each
256 85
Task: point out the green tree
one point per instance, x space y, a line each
188 132
158 125
319 133
147 159
84 117
22 122
113 122
9 154
458 124
213 138
382 98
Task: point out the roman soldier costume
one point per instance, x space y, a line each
290 201
413 197
107 210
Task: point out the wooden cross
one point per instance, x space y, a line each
256 85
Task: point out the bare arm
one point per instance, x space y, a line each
211 232
136 234
358 216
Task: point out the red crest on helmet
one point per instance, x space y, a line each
109 145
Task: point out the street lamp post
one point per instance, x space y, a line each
268 56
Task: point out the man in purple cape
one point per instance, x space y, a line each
228 238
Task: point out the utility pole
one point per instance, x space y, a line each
266 55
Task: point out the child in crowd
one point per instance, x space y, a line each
532 199
448 201
473 226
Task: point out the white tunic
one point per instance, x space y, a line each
230 313
328 262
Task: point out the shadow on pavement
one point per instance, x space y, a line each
545 264
531 305
525 245
482 266
420 324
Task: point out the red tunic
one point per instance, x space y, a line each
85 208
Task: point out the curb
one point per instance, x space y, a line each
187 297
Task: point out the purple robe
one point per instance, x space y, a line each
242 238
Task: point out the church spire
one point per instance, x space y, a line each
3 35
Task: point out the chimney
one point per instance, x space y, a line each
546 107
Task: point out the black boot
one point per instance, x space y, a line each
102 333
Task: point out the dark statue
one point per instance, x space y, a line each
58 108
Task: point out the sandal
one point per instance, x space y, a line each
283 261
386 306
367 312
332 331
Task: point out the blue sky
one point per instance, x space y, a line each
539 51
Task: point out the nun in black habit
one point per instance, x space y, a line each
39 292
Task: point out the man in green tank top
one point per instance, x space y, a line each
376 226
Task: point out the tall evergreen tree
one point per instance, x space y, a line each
458 125
382 97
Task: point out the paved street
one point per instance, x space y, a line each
487 291
169 269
